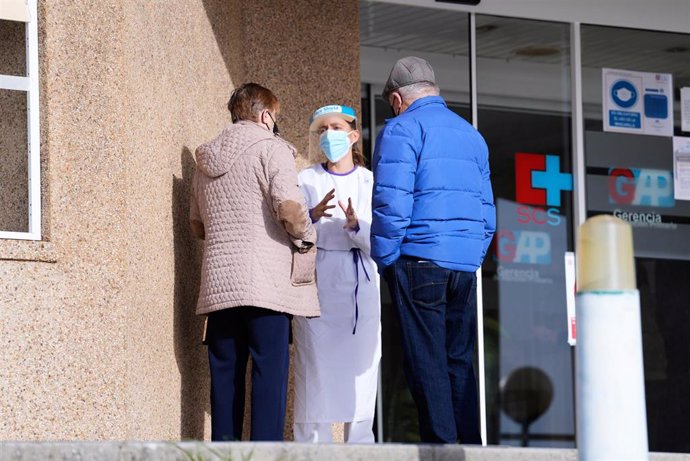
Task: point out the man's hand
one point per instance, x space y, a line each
320 210
351 221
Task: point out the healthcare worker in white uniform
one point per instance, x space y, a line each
337 355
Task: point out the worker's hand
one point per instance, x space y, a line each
351 221
320 210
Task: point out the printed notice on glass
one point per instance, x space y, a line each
685 108
637 102
570 295
681 168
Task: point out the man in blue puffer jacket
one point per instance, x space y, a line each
433 221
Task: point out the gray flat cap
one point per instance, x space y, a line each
407 71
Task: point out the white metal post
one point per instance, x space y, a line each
577 123
611 414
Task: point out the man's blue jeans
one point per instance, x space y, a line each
437 312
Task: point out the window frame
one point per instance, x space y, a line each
29 85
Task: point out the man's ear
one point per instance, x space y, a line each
395 96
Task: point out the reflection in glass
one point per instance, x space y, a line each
14 189
631 176
523 95
441 37
13 49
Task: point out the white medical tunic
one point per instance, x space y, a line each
337 355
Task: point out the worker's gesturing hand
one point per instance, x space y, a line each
320 210
351 221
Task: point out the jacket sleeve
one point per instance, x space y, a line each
287 200
395 165
488 208
307 189
362 237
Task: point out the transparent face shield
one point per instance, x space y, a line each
315 154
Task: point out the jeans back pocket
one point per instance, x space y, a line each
428 283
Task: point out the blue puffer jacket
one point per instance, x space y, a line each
432 194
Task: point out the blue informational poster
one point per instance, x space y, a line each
637 102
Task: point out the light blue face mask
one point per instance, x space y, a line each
335 144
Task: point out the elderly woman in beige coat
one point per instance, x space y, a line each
258 263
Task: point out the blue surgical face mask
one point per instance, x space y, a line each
335 144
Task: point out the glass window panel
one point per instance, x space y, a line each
441 37
523 96
631 175
13 49
14 191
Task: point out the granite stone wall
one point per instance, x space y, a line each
98 339
308 53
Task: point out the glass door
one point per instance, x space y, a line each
635 146
632 84
524 113
442 38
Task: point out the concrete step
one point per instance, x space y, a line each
272 451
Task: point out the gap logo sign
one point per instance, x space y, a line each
641 187
523 246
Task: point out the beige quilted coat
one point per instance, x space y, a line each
255 222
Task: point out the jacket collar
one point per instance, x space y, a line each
425 101
254 124
215 157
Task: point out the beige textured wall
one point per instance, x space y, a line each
307 52
103 343
178 85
